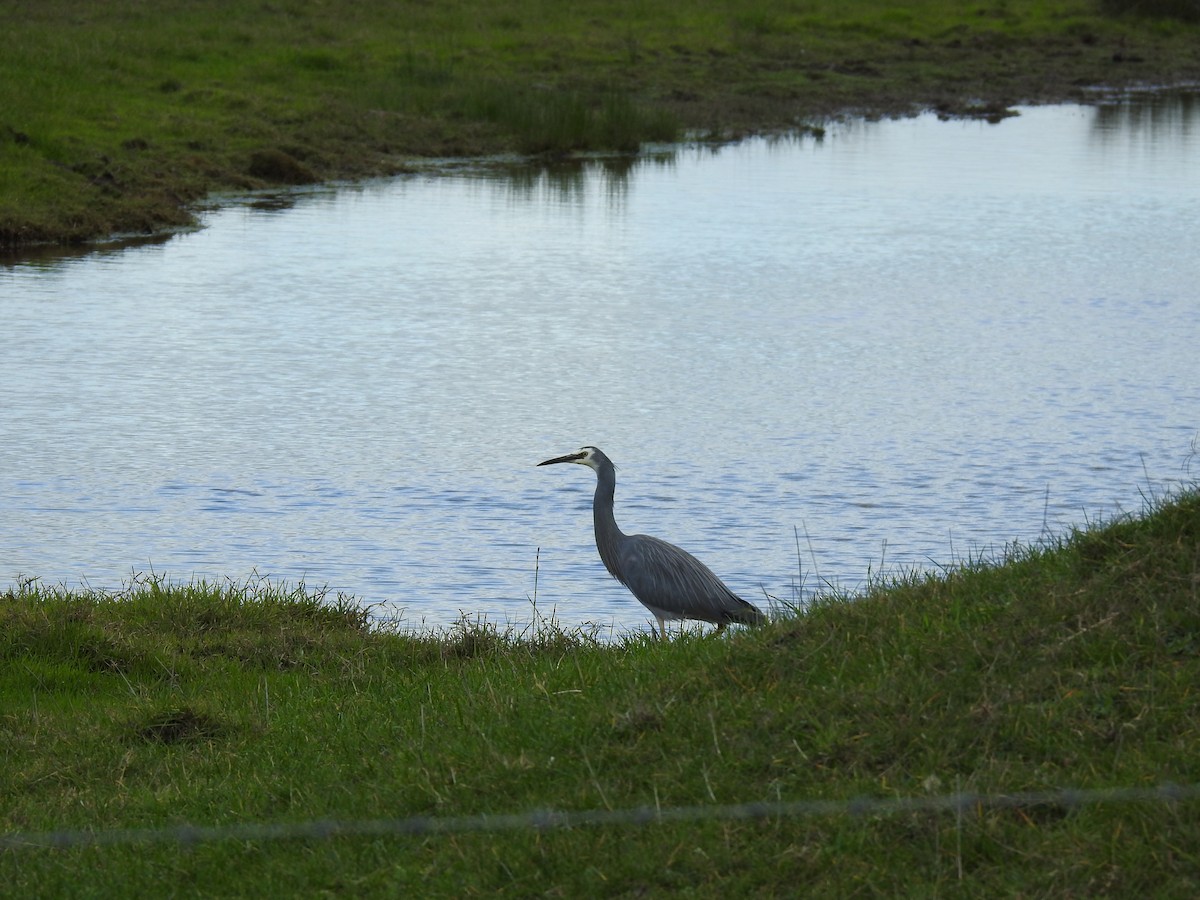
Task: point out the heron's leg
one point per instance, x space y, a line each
720 628
662 628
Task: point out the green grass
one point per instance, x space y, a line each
115 116
1073 665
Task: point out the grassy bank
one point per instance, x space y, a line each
114 117
1073 666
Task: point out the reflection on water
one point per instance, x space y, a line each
573 180
51 256
1163 116
906 344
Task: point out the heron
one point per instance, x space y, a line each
668 580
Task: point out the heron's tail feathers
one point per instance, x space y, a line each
747 614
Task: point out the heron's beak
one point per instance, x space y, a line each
570 457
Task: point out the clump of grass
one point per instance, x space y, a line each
153 625
557 122
474 638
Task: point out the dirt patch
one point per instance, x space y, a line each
276 166
177 726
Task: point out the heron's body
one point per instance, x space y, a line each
668 581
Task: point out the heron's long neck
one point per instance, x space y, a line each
608 535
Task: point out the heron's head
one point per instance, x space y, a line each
591 457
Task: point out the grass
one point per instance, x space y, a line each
115 117
1068 665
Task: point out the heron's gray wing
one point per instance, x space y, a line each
668 578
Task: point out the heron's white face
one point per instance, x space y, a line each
589 457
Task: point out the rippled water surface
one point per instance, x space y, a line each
903 345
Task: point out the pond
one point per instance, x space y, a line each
900 346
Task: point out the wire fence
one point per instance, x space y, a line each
544 820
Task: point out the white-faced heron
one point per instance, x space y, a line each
669 582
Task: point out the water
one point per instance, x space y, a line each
905 345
